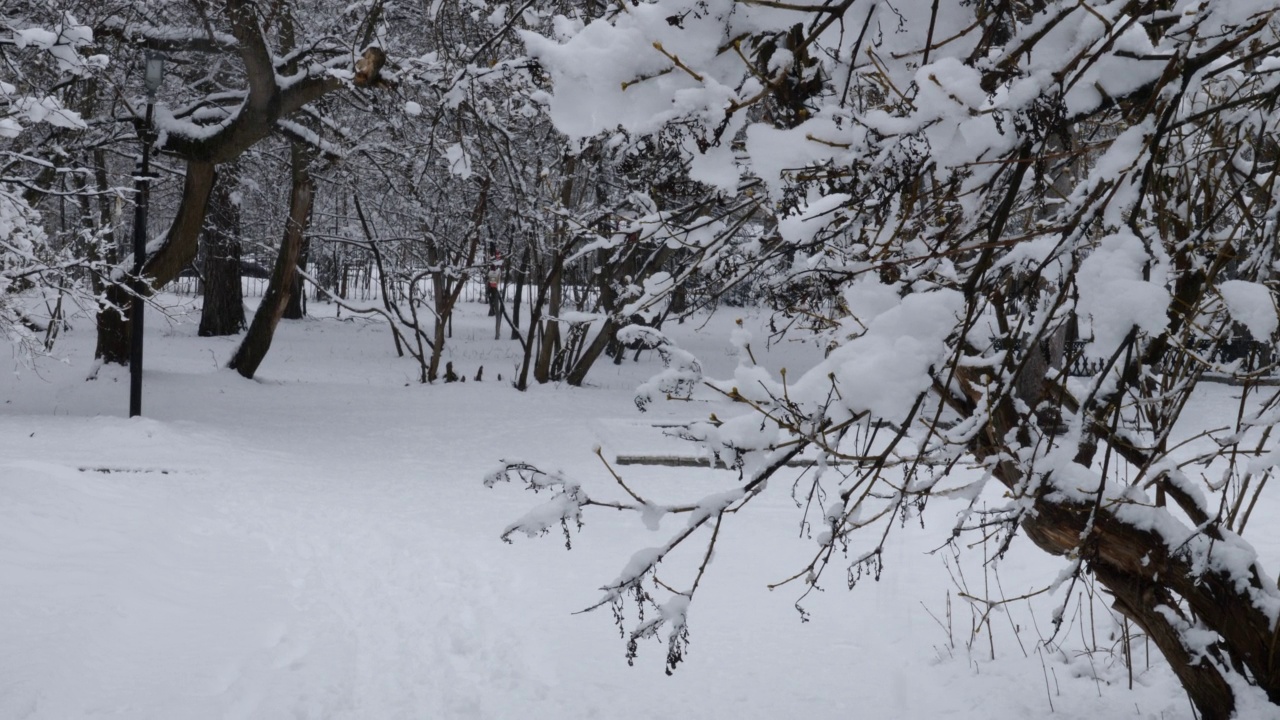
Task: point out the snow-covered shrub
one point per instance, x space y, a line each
21 241
33 110
962 196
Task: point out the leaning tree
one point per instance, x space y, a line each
970 199
239 73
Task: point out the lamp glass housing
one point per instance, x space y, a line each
154 73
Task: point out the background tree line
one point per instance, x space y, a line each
275 143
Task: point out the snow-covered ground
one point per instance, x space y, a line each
318 544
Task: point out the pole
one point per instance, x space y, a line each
142 184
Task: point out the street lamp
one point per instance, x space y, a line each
153 75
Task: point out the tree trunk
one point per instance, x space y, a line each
679 299
176 253
607 301
441 299
579 372
223 310
296 309
253 349
266 102
535 320
515 307
446 292
627 266
551 327
1144 574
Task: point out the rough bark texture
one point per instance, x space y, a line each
296 309
1145 579
223 309
164 265
551 328
578 374
253 349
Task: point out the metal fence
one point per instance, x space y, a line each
1251 355
361 284
359 287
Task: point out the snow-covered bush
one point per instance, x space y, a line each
20 237
35 269
964 197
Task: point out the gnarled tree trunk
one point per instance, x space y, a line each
223 309
253 349
265 103
178 250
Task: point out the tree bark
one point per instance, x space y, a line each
520 279
223 309
445 291
296 309
627 266
440 296
550 342
1145 576
164 265
265 104
253 349
578 374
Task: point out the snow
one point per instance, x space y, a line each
459 162
1119 289
801 228
887 368
774 151
318 544
1251 305
48 109
62 45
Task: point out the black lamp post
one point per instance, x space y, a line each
153 76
